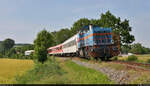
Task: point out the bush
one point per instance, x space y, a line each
1 56
148 61
115 58
132 58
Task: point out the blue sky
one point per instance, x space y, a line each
21 20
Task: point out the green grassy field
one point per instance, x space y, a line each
63 72
12 67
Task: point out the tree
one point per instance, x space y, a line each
139 49
43 41
23 48
125 49
7 44
79 24
62 35
118 26
108 20
146 50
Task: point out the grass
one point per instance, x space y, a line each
143 79
82 75
140 58
113 65
41 74
62 72
12 67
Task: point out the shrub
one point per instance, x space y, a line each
132 58
1 56
115 58
148 61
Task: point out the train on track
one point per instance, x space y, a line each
90 41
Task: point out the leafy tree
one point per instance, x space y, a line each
79 24
125 49
11 52
7 44
62 35
139 49
118 26
22 49
146 50
41 43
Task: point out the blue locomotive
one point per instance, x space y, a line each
94 41
90 41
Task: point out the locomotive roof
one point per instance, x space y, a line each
96 27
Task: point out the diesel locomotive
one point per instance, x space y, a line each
90 41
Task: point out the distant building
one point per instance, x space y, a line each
28 52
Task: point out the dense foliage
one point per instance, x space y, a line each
6 45
8 49
135 48
43 41
61 35
139 49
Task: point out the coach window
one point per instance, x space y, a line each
50 50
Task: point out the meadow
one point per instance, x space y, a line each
10 68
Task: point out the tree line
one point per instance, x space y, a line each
136 48
8 49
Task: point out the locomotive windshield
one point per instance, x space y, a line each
102 35
94 35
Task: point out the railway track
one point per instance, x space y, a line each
130 65
134 65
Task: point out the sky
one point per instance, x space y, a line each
21 20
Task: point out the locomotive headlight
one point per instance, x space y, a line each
92 49
95 43
112 41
